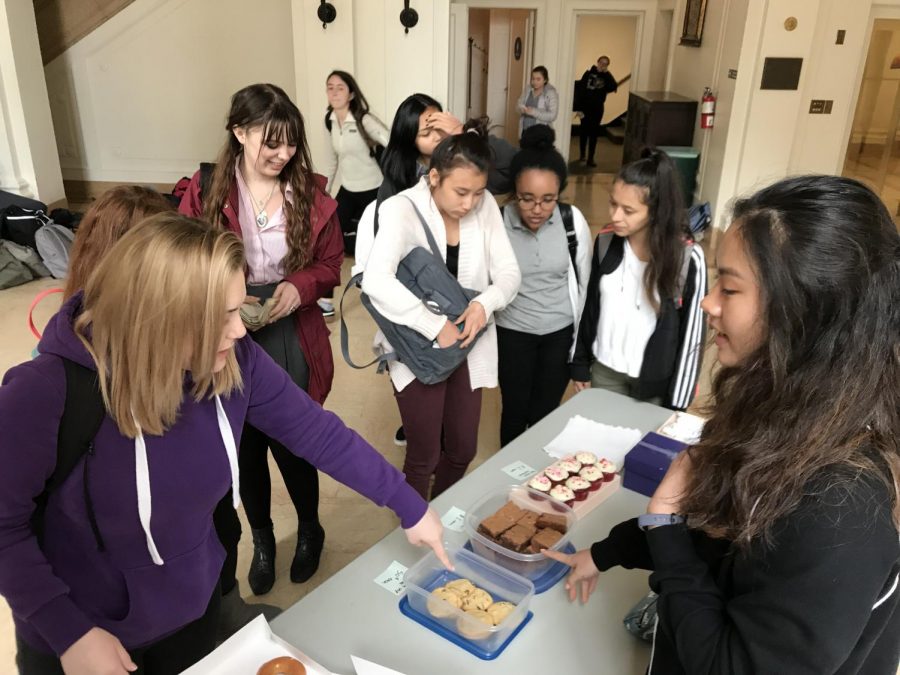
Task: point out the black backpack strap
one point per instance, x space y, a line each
568 219
82 416
206 172
601 247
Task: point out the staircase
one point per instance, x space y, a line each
62 23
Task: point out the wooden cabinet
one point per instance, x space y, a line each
658 118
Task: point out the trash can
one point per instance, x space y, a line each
687 162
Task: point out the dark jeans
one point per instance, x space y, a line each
534 373
168 656
588 131
425 410
349 210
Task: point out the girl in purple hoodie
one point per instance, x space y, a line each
125 574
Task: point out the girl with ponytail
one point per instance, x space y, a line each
642 329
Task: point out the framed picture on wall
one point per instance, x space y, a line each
692 32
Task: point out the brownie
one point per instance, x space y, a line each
510 510
553 522
545 538
495 525
528 519
517 537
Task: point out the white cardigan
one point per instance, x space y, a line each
487 264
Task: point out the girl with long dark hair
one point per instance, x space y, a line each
264 190
642 329
467 226
774 540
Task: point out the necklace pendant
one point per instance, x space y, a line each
262 219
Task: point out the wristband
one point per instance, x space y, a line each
648 520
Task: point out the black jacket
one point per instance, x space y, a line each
823 599
673 354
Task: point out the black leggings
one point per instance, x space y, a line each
534 374
588 131
169 656
349 210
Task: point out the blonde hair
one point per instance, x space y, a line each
155 307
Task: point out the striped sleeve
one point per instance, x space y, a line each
693 332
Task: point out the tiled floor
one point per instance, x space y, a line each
363 400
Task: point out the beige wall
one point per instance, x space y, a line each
612 36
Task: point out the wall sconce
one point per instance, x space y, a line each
408 17
326 13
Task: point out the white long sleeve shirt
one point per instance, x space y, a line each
349 160
487 264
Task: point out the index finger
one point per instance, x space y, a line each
441 553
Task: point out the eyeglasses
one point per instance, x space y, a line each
530 202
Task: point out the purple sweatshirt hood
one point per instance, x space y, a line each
59 336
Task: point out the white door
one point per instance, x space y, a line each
459 57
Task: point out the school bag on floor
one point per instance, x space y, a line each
13 272
53 243
28 257
20 225
425 274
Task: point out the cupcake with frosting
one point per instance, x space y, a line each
563 494
556 474
579 487
593 475
541 483
586 458
609 469
570 464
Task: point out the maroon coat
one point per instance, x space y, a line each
313 282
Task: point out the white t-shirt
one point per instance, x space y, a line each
627 318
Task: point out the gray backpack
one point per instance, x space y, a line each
28 257
53 243
426 275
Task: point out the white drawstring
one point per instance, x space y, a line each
145 506
231 451
653 646
142 476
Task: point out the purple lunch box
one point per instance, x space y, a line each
647 462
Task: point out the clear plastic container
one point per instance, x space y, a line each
429 573
529 565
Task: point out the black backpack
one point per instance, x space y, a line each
19 224
82 416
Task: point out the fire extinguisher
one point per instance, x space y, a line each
707 109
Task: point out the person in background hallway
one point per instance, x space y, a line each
355 135
125 573
538 104
774 540
536 331
642 330
263 190
596 84
468 227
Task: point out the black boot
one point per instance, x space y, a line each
262 567
310 540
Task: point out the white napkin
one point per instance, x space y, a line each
364 667
584 435
683 427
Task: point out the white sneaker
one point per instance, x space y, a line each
327 307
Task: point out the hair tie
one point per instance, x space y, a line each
473 130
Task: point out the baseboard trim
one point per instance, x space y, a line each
86 191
